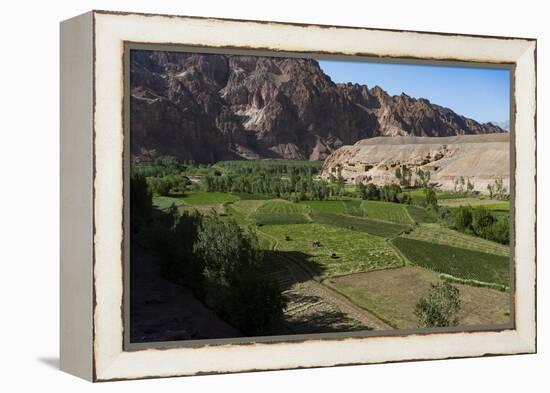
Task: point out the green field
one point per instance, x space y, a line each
194 198
441 235
386 211
374 227
354 251
458 262
421 214
326 206
280 212
491 204
380 257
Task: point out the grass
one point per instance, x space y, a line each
279 206
476 201
355 251
281 218
208 198
500 206
281 212
458 262
392 294
421 214
386 211
439 234
326 206
165 202
378 228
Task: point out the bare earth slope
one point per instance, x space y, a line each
480 158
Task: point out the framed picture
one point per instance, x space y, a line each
246 195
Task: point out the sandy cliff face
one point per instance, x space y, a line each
480 158
209 107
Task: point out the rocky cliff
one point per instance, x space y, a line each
208 107
481 159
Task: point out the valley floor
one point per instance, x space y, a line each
349 265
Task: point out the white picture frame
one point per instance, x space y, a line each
92 195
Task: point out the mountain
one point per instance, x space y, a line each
479 159
208 107
505 125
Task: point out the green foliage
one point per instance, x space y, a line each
463 218
404 175
458 262
482 222
163 185
140 201
226 249
431 198
440 307
236 288
372 192
422 178
292 180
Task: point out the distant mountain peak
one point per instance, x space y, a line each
210 107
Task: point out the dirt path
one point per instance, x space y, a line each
301 274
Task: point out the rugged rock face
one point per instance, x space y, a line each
208 107
479 158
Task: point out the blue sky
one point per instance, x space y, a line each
482 94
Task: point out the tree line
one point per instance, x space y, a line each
220 262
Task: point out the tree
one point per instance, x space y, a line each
462 218
430 195
491 190
141 204
398 174
482 220
469 186
237 288
361 191
440 307
372 192
404 175
423 178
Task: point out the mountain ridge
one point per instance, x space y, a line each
209 107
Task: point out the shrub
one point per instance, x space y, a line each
440 307
482 221
462 218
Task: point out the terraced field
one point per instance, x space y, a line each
279 212
386 211
458 262
376 291
422 215
374 227
441 235
354 251
349 264
475 201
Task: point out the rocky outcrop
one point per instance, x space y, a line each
208 107
479 158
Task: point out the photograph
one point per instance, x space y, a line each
282 195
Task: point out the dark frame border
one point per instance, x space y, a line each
129 46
